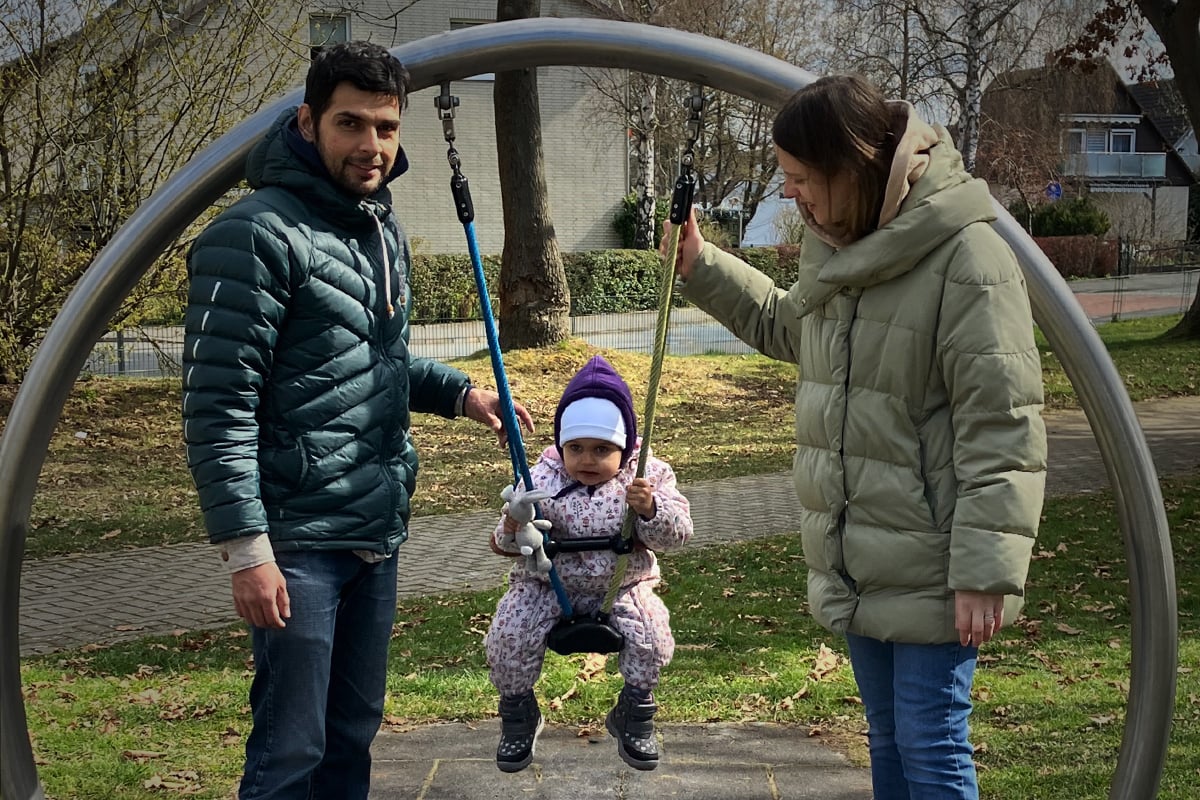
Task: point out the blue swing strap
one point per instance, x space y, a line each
465 209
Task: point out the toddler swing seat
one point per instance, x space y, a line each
576 633
585 633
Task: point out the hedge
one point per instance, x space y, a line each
1080 256
600 281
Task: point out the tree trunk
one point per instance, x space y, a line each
1178 26
643 136
972 88
1189 326
535 302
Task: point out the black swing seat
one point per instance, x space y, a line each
586 633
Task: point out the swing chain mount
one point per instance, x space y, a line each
685 186
463 207
695 106
446 103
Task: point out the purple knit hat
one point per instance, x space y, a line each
599 379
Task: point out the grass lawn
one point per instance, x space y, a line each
115 476
131 720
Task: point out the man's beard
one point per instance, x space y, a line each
345 176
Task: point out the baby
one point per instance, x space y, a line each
589 475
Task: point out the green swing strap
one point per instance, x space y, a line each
681 204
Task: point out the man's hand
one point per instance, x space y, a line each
977 616
260 596
483 405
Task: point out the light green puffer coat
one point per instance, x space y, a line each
920 449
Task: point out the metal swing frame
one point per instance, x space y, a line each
620 45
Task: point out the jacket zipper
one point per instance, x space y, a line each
842 514
384 356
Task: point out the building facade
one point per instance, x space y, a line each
1055 132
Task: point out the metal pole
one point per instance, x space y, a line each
588 43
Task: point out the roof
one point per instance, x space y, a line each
1163 105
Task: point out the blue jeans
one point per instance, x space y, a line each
917 698
317 695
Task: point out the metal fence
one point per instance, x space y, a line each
154 352
1137 257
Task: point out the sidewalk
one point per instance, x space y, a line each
106 598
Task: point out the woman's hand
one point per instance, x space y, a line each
690 244
977 616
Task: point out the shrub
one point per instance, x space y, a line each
444 286
604 281
780 263
1080 256
623 219
600 281
1076 217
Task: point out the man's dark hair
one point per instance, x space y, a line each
368 66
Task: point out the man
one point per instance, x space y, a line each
298 386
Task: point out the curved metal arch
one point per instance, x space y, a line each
589 43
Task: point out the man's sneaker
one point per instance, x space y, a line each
632 722
520 724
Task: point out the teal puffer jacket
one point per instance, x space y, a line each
920 448
297 384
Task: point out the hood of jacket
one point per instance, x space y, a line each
930 198
286 159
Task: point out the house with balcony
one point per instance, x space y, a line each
1055 132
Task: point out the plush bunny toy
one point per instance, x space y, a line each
529 536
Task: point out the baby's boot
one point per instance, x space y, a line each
632 722
520 724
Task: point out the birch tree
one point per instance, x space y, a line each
941 54
734 157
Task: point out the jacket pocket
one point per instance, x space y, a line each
284 469
925 478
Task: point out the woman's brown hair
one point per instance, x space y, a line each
842 124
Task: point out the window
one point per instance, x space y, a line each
460 24
1073 141
1097 140
326 29
1121 141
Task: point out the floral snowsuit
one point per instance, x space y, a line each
516 641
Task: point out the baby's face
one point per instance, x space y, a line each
591 461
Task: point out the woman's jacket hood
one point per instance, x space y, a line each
935 208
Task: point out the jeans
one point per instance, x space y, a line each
317 695
917 698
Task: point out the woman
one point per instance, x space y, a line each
920 460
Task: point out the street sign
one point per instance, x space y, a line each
1054 190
